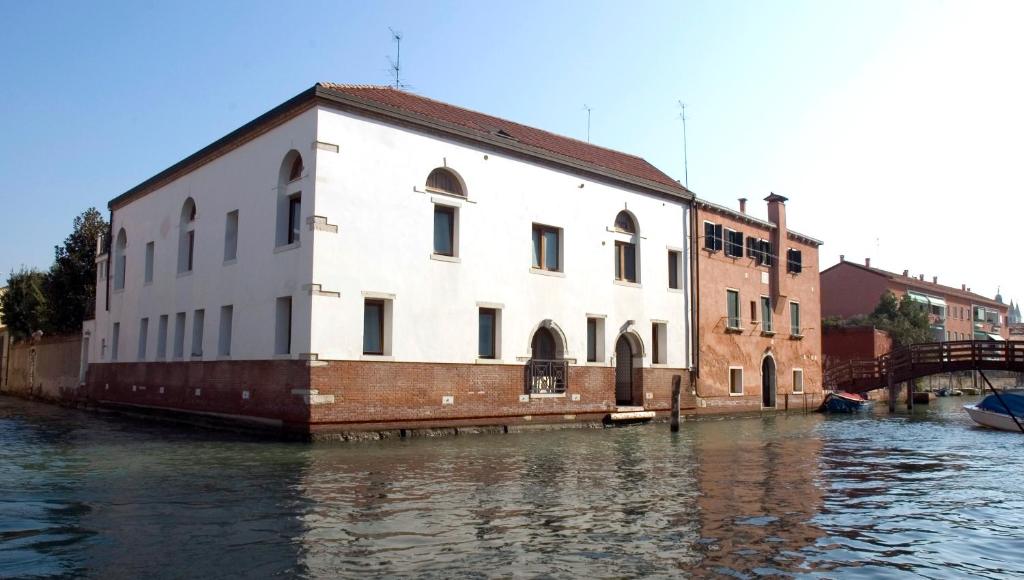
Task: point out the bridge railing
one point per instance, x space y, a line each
925 359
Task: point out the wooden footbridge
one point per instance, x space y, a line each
905 364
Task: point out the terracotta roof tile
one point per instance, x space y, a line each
608 159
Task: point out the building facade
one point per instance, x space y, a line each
849 289
364 258
758 339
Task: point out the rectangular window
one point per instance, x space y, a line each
766 314
625 261
766 257
179 335
444 230
591 340
283 325
675 261
150 256
794 318
191 250
373 327
488 325
198 321
294 218
798 381
231 236
712 236
227 315
733 303
735 381
115 339
733 244
794 261
546 248
143 338
161 338
659 350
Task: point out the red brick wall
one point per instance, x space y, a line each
857 343
368 394
220 383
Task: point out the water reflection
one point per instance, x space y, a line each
786 495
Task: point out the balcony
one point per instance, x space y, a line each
546 377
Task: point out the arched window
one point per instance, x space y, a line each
120 259
187 236
543 345
289 199
627 264
446 181
296 171
624 223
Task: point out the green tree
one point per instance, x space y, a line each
70 285
23 306
904 319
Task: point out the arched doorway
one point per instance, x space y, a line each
623 371
768 382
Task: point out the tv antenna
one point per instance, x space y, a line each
686 165
396 65
588 109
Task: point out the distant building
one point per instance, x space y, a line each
849 289
759 311
5 347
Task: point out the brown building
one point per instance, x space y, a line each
759 315
849 289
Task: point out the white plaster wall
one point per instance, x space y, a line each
373 190
245 179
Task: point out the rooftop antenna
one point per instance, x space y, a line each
588 122
396 65
686 165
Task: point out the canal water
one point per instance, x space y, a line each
788 495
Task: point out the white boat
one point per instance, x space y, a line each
992 411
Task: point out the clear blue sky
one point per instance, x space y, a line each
845 107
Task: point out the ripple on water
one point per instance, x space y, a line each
796 495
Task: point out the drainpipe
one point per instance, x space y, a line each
694 301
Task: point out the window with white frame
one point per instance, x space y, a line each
732 298
798 381
735 380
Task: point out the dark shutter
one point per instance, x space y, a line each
718 237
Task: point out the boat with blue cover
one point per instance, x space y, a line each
1004 411
843 402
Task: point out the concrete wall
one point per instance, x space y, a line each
373 190
47 369
722 348
245 179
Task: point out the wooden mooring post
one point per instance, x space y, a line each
892 394
676 393
910 395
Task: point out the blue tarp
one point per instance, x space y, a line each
1014 400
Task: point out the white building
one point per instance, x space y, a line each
362 256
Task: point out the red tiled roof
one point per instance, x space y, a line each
608 159
924 285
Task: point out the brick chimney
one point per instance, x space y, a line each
777 216
842 257
920 277
867 262
743 205
963 287
935 279
906 273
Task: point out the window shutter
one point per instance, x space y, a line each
718 237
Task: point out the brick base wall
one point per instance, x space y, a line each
341 396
